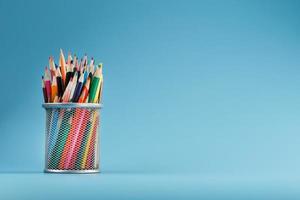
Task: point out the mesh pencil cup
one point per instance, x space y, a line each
72 137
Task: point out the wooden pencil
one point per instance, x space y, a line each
44 90
47 79
94 85
53 89
62 64
60 84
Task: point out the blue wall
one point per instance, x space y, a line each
190 86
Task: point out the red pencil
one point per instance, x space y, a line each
48 84
44 90
85 92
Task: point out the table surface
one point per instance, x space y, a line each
134 185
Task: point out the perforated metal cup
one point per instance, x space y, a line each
72 137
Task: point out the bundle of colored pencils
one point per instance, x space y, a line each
73 80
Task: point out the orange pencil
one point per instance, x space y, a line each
53 89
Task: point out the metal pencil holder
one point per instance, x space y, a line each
72 137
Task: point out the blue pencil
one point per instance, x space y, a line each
53 131
85 76
78 89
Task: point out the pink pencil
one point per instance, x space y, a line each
79 139
76 125
48 84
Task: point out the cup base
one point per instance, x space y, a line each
85 171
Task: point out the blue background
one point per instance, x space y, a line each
201 98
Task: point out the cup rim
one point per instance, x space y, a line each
72 105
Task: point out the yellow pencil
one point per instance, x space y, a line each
86 151
96 100
100 86
101 90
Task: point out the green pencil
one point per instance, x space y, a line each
61 140
94 85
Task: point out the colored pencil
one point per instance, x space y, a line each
94 85
101 89
56 99
44 90
69 58
88 142
91 152
74 132
60 84
81 135
80 154
62 138
84 60
52 67
67 92
74 83
47 79
85 92
78 89
69 74
62 64
92 67
53 131
53 89
96 99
